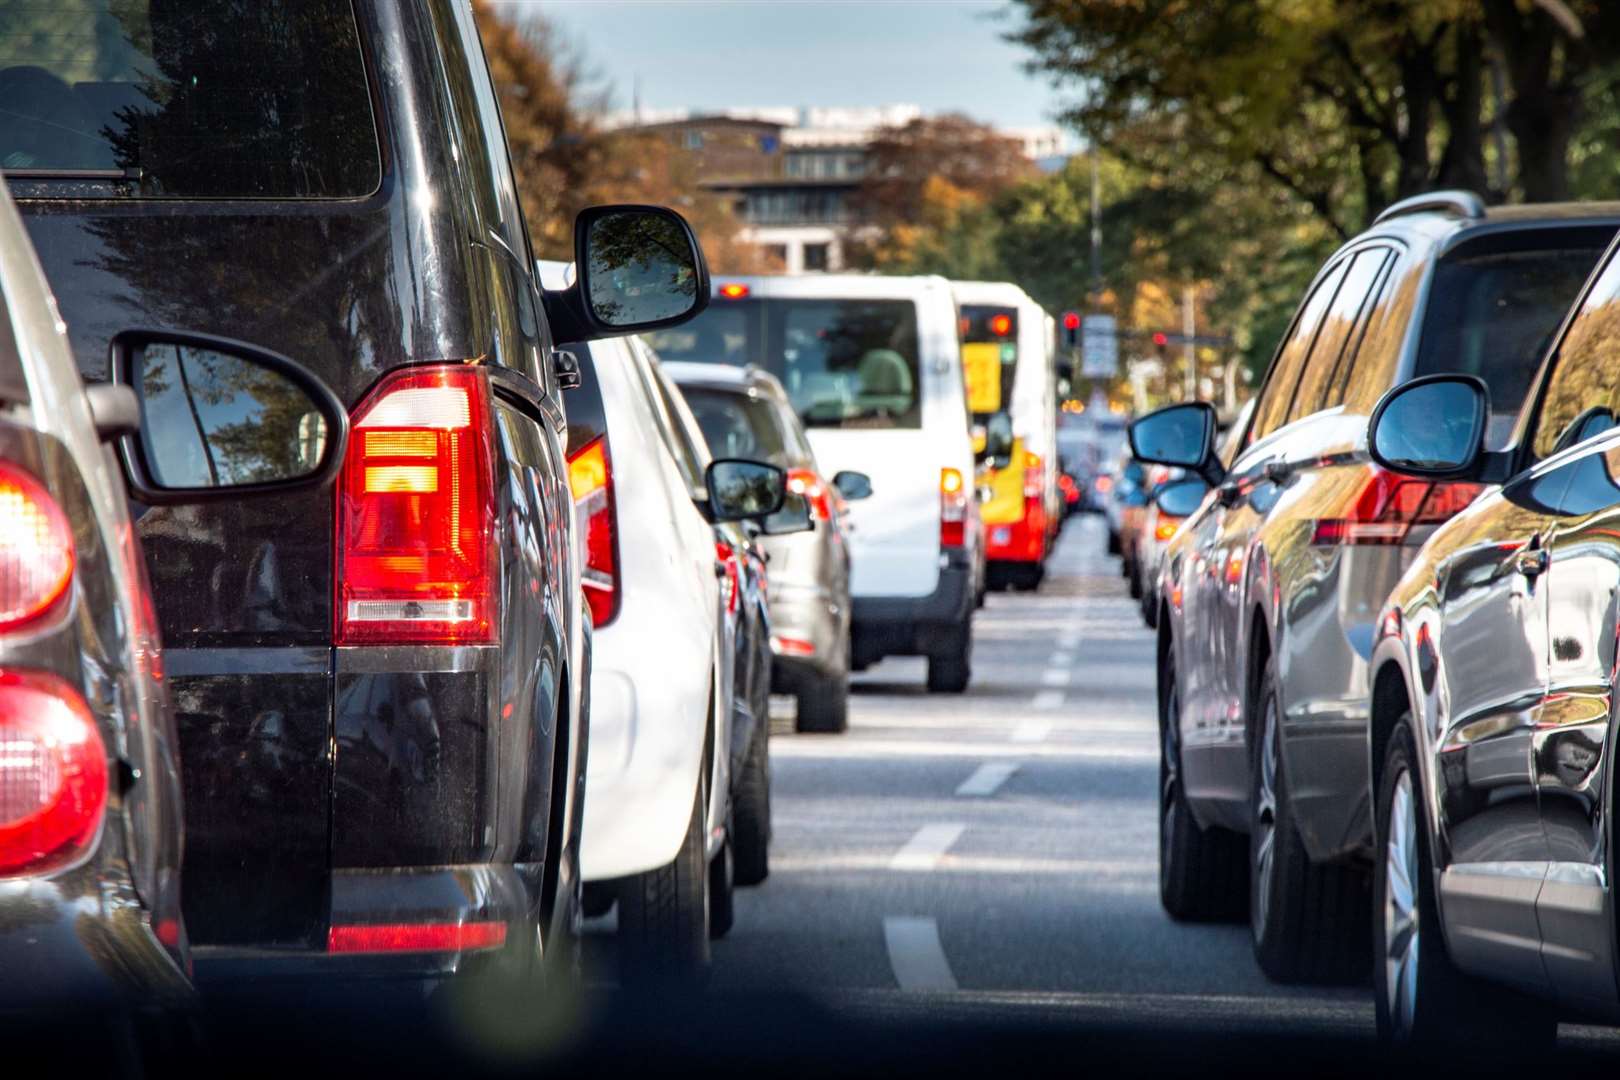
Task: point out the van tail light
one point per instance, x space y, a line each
953 503
53 772
36 549
590 476
416 516
731 577
1033 476
1389 505
805 482
1165 528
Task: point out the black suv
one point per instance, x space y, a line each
377 683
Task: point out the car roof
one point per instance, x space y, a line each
722 376
1447 219
990 292
835 286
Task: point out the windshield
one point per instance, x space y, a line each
736 425
844 363
989 357
208 99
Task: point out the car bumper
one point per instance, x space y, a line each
1022 540
908 625
808 635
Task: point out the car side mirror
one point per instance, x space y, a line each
998 440
1433 426
1180 498
638 268
221 419
1182 436
741 489
793 517
853 485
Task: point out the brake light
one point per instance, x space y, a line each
806 483
1033 476
734 290
36 549
53 772
1104 484
731 582
416 937
416 517
1388 506
1000 325
1166 528
792 646
952 508
590 477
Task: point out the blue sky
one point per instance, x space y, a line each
940 54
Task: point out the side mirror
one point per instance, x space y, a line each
741 489
998 440
793 517
638 268
1180 498
853 485
1433 426
1179 435
221 418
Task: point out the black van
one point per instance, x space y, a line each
378 682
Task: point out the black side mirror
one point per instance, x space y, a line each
998 440
638 268
793 517
1433 426
1182 436
741 489
853 485
221 419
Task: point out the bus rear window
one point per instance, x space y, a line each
208 99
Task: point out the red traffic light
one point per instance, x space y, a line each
1000 325
1160 338
1071 320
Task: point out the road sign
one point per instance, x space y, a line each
1099 347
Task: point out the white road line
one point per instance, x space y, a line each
915 953
1069 639
1061 659
924 850
1031 731
1047 700
987 778
1055 677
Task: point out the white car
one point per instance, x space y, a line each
873 367
658 823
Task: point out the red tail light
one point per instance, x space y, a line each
416 516
590 476
36 549
53 772
805 482
416 937
953 502
792 646
1034 478
731 583
1388 506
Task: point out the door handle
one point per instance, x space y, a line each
1531 561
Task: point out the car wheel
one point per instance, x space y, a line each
1420 995
751 812
1136 581
1113 542
664 913
1202 872
950 666
823 705
723 884
1309 920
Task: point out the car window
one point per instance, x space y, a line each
676 439
1586 370
216 99
1375 360
1278 392
1318 389
738 425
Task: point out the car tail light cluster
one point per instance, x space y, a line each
416 519
805 482
53 772
590 476
731 576
415 937
36 549
1388 506
1033 476
953 506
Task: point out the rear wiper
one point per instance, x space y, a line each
109 176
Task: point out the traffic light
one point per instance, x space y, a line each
1161 343
1071 329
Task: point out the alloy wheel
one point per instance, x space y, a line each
1265 818
1400 909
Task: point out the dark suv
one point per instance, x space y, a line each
1270 593
378 683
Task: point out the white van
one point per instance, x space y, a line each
873 367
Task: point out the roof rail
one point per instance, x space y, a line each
1461 203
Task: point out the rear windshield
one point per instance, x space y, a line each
255 99
989 357
1493 312
845 363
739 426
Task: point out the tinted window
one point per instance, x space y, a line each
1318 389
844 363
1492 313
205 99
989 356
1371 370
1278 392
1586 371
736 425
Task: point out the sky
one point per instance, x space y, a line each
944 55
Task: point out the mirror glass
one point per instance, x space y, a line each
1178 435
1431 427
998 438
853 485
642 268
1179 498
210 420
744 489
794 517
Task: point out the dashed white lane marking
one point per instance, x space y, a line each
924 850
1031 731
1061 659
1055 677
1047 700
987 778
915 953
1069 639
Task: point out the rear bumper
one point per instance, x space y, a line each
1022 540
908 625
808 636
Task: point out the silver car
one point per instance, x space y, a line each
745 413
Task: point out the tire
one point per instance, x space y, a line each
723 885
751 813
664 913
1309 921
950 665
1113 542
1203 873
824 706
1421 997
1136 581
